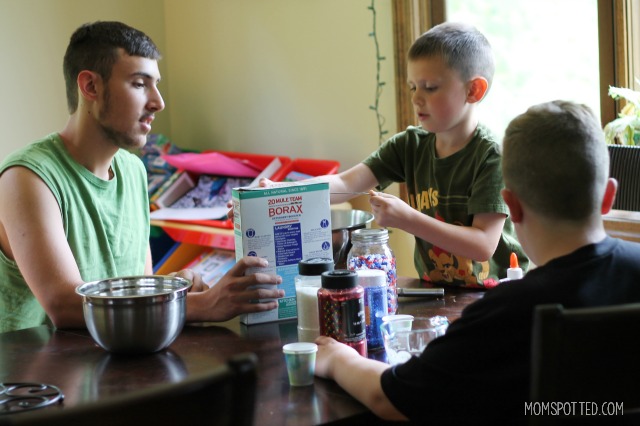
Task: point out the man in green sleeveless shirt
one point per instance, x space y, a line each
74 204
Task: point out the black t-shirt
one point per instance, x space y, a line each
479 372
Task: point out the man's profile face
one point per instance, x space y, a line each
130 100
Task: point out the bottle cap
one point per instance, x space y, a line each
370 235
339 279
315 266
372 277
513 261
514 272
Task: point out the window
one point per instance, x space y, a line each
573 49
540 54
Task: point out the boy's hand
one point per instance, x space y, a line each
389 211
329 353
264 183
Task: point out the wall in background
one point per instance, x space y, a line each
284 77
33 37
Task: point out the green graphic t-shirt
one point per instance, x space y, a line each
453 190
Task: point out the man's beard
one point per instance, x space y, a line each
119 139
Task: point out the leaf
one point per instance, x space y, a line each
629 95
622 129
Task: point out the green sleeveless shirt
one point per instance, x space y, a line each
106 223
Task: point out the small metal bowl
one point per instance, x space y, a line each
138 314
343 223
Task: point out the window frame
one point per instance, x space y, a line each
619 48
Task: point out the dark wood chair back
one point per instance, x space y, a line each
588 357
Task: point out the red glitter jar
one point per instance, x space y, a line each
341 309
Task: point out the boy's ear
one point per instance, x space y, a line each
88 85
609 196
478 87
515 208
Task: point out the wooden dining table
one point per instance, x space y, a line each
84 372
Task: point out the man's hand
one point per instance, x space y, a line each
235 293
196 279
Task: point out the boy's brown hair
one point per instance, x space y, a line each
462 47
555 159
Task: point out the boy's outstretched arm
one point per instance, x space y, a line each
477 242
358 178
357 375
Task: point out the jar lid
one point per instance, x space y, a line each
315 266
370 235
339 279
300 348
372 277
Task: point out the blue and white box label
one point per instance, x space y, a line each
284 224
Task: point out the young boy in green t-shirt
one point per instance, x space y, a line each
450 164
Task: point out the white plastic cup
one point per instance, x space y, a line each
400 321
301 362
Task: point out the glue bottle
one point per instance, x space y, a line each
514 272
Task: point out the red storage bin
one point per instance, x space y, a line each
307 166
204 233
258 161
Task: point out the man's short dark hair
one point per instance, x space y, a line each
94 46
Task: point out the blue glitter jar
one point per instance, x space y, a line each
374 282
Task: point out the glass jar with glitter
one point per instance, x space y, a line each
370 250
341 309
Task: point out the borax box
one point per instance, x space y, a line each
284 224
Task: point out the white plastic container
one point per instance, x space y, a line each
308 282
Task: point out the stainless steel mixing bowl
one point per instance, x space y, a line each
343 222
138 314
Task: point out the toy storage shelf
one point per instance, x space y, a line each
197 234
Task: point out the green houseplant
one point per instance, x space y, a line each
625 130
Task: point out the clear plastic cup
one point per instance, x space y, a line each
401 343
301 362
400 321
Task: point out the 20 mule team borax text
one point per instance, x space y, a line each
284 224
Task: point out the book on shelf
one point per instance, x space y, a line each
171 190
212 264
